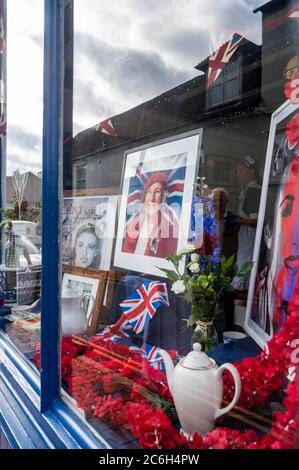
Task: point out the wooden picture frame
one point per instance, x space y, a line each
97 287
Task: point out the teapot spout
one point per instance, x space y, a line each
168 366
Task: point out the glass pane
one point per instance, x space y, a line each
232 70
231 89
20 271
217 94
171 185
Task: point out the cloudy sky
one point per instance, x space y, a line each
126 52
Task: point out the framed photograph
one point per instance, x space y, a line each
28 285
155 205
276 252
88 226
221 171
90 284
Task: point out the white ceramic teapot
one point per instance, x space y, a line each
197 389
73 318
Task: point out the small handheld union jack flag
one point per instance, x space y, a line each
151 353
138 310
142 305
220 58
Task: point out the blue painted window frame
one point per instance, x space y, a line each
51 197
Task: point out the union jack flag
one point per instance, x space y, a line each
113 333
142 305
174 185
151 353
106 127
220 58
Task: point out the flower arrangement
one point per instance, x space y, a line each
208 273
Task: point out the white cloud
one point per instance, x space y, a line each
126 52
24 84
133 50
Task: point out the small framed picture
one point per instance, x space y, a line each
221 171
83 292
155 206
88 226
275 274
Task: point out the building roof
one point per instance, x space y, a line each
244 45
271 5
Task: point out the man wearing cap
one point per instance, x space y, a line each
154 230
249 200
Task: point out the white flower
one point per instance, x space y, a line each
186 250
194 257
194 268
178 287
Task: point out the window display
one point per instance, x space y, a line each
167 285
180 155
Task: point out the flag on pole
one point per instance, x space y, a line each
221 57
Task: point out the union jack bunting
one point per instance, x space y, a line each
221 57
142 305
106 127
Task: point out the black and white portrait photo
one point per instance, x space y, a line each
88 231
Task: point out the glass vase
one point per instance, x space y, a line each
10 251
205 333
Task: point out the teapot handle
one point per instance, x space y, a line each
91 300
237 381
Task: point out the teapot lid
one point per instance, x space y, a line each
197 359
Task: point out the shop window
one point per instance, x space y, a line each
125 295
21 150
157 242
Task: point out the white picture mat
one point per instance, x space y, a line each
92 284
251 327
185 143
107 245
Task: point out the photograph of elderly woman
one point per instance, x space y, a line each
154 214
87 231
153 228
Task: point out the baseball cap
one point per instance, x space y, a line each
249 162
